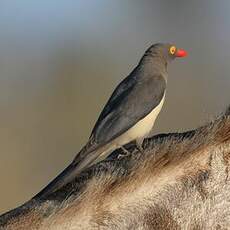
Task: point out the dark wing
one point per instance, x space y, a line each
131 101
118 94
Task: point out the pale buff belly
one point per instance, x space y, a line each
139 131
142 128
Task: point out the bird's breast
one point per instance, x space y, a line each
142 128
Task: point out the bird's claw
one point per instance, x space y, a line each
124 154
140 148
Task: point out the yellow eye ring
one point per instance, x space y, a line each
172 49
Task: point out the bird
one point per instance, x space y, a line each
129 114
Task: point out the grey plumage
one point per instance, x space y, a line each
126 108
133 99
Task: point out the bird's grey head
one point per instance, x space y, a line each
164 51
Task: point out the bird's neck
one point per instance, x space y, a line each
154 64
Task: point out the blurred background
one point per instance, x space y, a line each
60 61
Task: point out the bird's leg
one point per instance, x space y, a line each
139 143
125 152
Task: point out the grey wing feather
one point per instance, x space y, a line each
131 101
128 107
88 152
119 93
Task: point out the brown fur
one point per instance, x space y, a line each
181 181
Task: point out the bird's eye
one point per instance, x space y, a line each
172 49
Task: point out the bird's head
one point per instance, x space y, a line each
165 51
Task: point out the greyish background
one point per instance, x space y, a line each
60 61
